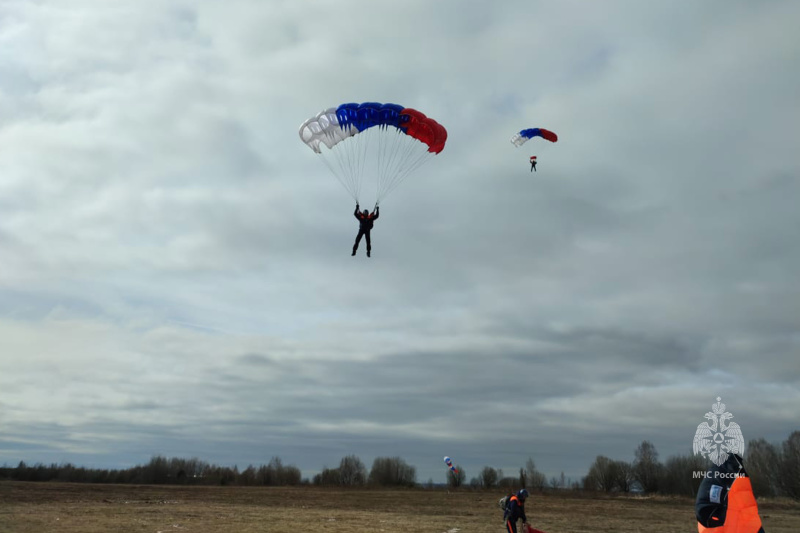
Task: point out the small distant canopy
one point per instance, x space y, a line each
525 135
450 465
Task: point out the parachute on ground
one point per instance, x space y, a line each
373 141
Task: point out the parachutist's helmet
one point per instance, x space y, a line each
365 212
522 494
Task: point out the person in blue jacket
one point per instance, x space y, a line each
515 509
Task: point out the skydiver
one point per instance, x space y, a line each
533 163
365 220
515 511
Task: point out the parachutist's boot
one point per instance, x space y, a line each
369 252
354 252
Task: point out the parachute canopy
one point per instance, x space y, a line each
449 463
525 135
387 140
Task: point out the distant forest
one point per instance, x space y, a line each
774 471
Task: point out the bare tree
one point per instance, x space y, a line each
488 477
623 476
276 474
679 474
507 482
790 466
248 476
352 472
763 466
392 471
646 468
457 478
328 477
608 476
536 480
157 470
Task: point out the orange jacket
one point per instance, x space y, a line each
742 515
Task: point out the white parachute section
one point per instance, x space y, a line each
324 128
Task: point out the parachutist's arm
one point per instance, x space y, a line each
522 513
377 213
355 213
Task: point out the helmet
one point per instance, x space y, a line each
522 494
365 212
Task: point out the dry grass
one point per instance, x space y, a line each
79 508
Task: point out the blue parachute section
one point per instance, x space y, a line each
369 114
539 132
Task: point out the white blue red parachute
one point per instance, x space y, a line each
387 140
525 135
520 138
449 463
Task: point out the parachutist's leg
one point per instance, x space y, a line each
369 243
358 240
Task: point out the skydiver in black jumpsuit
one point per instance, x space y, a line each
365 219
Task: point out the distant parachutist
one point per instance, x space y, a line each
518 139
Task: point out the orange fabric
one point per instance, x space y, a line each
742 515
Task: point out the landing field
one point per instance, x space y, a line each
83 508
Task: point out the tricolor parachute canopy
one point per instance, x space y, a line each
449 463
387 140
525 135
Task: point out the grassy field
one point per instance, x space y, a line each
80 508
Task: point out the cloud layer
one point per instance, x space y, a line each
176 277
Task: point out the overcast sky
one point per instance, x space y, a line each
175 269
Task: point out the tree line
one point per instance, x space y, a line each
160 471
774 471
385 472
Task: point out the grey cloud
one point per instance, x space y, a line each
176 265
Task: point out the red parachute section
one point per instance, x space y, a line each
424 129
548 135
